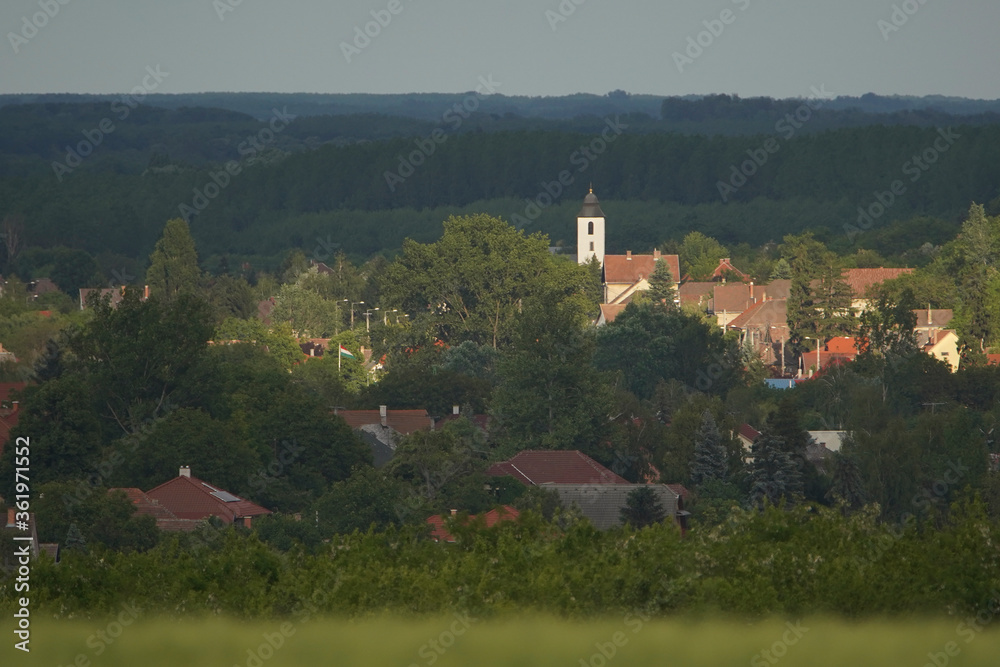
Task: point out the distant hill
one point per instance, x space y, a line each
431 106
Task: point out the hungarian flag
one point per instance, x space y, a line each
344 352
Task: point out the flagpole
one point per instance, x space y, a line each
339 355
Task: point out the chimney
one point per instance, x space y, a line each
656 253
185 471
930 318
455 410
145 292
383 415
628 255
10 516
454 512
14 405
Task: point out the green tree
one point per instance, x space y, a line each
642 508
710 456
549 395
472 281
661 286
774 472
173 266
138 353
700 255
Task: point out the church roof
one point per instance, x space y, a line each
591 207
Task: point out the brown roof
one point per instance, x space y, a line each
860 280
533 467
773 312
401 421
939 318
191 498
145 505
610 311
629 269
842 345
695 292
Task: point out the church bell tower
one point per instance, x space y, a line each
590 230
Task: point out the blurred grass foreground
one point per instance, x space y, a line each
465 640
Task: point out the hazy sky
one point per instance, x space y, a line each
779 48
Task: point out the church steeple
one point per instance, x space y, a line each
590 230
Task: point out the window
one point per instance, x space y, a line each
590 228
592 247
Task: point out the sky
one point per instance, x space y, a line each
778 48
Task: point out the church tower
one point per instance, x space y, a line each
590 230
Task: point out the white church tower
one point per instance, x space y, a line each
590 230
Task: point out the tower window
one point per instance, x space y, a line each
592 247
590 228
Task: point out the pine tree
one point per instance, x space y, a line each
173 265
75 540
661 286
642 508
774 473
848 485
709 453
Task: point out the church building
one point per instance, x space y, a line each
623 275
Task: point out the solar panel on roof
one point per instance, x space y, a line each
225 496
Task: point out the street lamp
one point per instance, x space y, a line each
385 316
354 303
778 329
336 325
368 314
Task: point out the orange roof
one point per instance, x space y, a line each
841 345
629 269
440 534
860 280
401 421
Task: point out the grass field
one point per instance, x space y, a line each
466 641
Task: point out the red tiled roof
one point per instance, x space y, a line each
440 534
748 432
695 292
860 280
145 505
401 421
725 267
191 498
533 467
842 345
620 269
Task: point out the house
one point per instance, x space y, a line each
116 294
165 519
439 533
831 440
696 294
624 275
746 434
930 319
764 326
726 271
862 280
941 344
382 428
481 422
9 409
730 300
314 347
37 288
534 467
602 503
188 497
609 311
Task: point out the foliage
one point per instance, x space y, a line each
173 266
710 458
642 508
